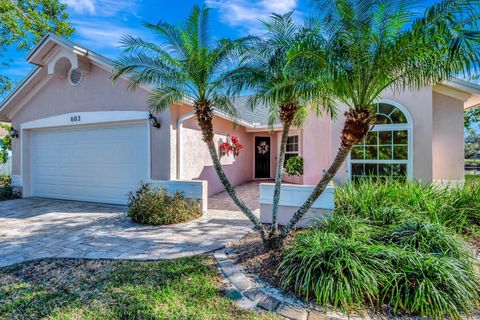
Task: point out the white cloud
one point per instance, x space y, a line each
81 6
103 36
113 7
279 6
247 14
104 8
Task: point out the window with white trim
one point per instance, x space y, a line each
292 147
385 151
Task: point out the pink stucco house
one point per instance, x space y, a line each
81 137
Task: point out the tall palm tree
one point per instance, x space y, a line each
264 72
186 66
374 45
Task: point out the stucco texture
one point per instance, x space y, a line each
437 128
196 162
96 92
448 138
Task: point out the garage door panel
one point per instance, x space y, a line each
83 193
90 179
100 164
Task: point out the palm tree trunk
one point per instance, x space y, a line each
319 188
231 191
204 114
278 180
357 124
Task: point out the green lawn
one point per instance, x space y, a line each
97 289
472 161
472 178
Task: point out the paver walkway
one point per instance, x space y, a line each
34 228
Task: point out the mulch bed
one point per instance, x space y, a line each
256 261
475 243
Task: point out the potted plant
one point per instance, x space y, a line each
293 170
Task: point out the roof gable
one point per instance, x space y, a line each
52 56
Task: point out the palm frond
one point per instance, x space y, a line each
224 103
172 39
140 68
162 98
371 45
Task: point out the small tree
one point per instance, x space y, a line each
187 65
25 22
5 144
374 45
472 145
266 72
472 117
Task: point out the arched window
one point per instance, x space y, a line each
386 150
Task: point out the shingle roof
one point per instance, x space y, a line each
257 116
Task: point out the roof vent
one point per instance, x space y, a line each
75 77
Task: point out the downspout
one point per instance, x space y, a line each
180 121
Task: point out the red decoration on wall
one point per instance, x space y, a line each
232 145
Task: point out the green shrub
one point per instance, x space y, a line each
6 193
332 270
348 227
151 205
366 196
396 201
472 178
436 287
465 203
5 181
294 166
427 237
6 190
390 244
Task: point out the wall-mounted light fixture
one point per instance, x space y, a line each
154 121
13 133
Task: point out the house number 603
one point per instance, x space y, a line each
75 118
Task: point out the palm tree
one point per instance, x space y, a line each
373 45
187 66
264 72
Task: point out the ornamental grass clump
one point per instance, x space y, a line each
427 237
152 205
390 201
464 207
432 286
355 229
392 246
332 270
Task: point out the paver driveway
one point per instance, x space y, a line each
34 228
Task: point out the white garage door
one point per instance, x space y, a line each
94 163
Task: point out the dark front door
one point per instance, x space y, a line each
262 157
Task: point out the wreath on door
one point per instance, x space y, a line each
263 147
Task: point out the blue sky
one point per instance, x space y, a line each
99 24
